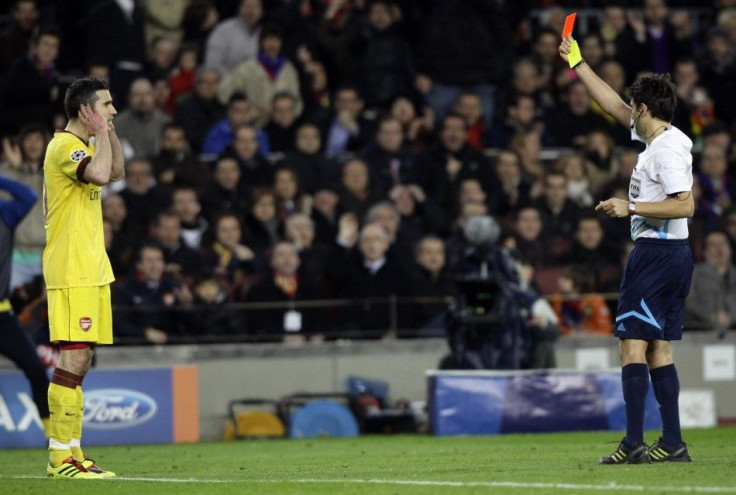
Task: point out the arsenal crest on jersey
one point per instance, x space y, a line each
85 323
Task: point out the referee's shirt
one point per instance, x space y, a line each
665 167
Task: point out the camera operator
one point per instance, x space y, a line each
486 328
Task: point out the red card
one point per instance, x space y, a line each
569 23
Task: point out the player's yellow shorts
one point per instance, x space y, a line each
80 314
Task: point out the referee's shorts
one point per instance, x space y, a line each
655 283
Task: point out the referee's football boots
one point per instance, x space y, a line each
662 452
627 454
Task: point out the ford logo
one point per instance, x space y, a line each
111 408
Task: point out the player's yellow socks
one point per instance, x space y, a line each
76 447
46 425
63 409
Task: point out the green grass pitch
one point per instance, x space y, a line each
408 464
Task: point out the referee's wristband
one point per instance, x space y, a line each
581 62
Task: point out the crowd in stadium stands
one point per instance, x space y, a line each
304 150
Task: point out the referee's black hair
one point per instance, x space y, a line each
82 92
658 93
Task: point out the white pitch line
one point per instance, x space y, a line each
456 484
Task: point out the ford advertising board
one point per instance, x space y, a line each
125 406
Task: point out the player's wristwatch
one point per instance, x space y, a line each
632 208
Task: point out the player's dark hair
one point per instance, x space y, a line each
658 93
82 92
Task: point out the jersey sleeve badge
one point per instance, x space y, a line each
78 155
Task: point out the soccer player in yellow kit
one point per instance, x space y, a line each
79 161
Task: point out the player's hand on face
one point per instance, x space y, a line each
614 207
92 121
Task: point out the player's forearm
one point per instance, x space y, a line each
99 168
669 208
603 94
117 168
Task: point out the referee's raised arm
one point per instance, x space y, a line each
601 92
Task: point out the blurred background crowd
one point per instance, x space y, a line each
304 169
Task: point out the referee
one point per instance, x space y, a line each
658 273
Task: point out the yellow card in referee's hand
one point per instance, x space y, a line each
574 56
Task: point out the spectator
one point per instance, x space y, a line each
30 90
347 129
289 195
591 250
263 223
263 76
420 215
390 161
255 170
175 165
24 163
143 198
717 190
235 40
162 96
578 308
521 115
528 239
651 43
211 314
466 46
591 48
470 107
325 214
164 21
225 193
602 163
357 193
112 33
542 322
451 160
16 38
182 262
140 125
200 18
239 113
187 207
229 257
417 123
313 168
183 77
711 304
559 214
430 278
578 183
300 231
385 67
281 128
157 295
118 242
200 110
366 273
528 146
515 190
162 58
290 323
567 126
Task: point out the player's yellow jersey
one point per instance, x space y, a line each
75 245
